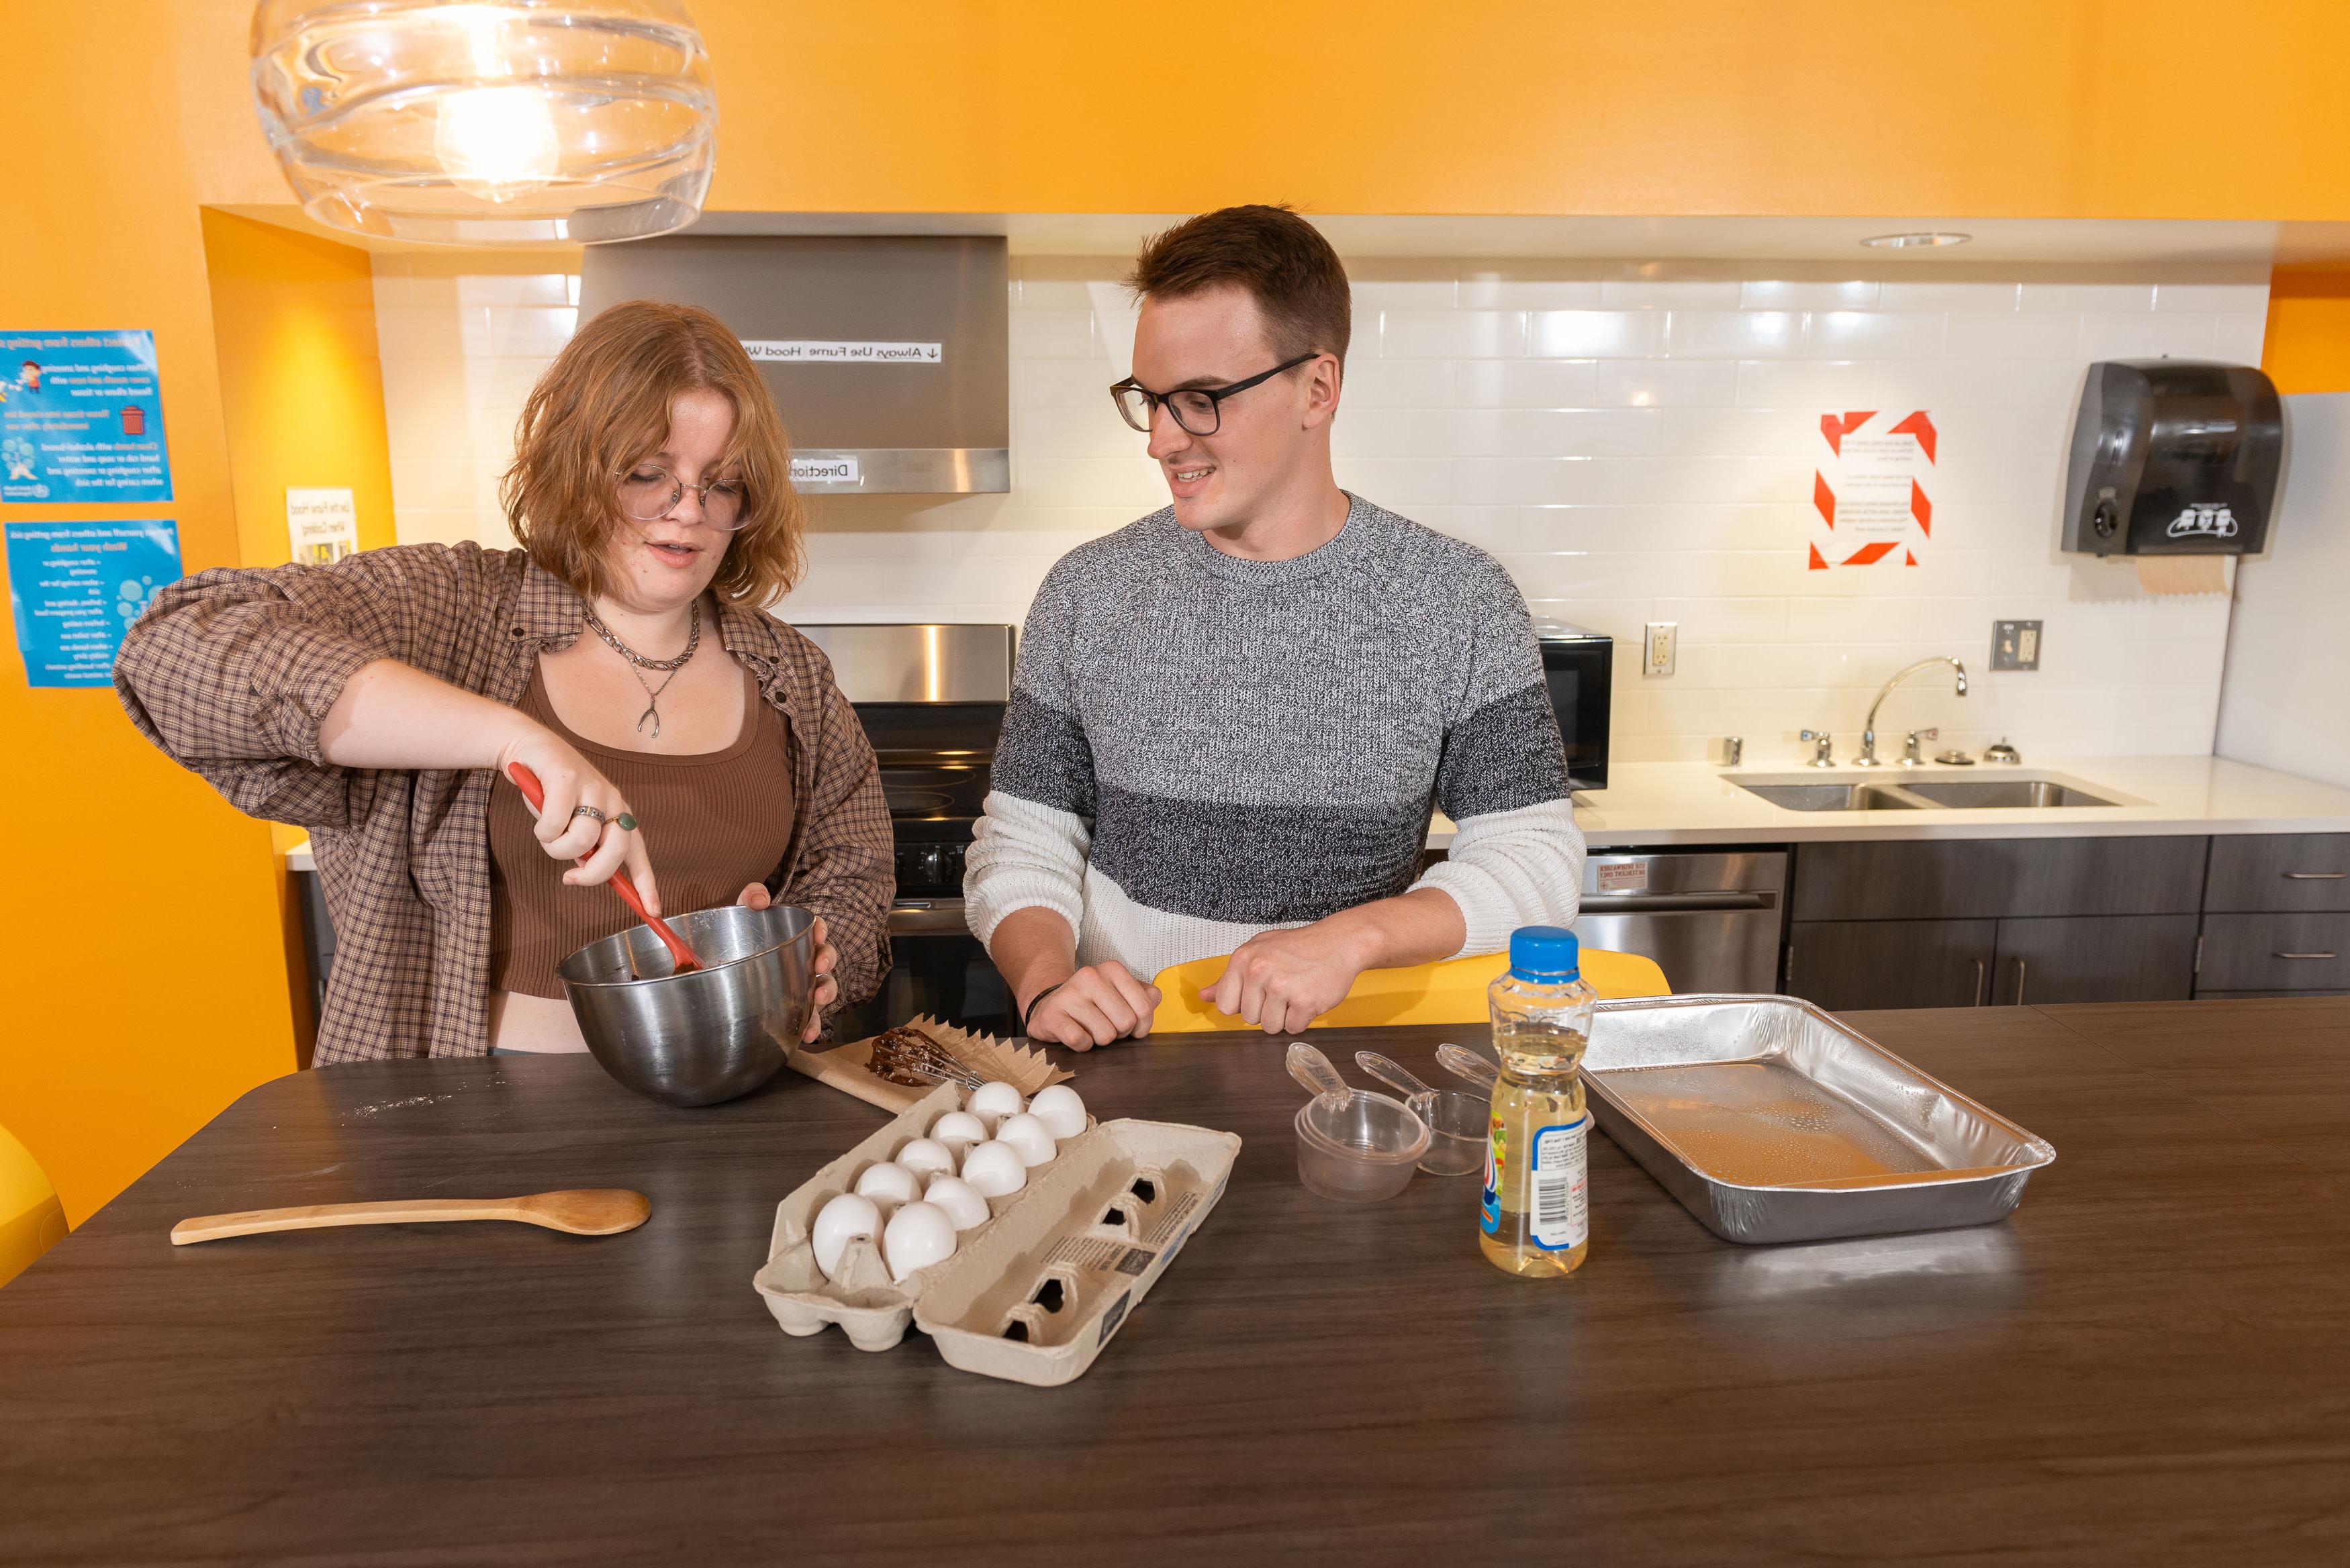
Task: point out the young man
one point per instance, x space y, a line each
1230 718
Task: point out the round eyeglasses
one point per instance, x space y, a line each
649 493
1197 409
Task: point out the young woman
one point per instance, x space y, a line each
622 654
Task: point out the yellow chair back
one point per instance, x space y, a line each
1450 992
32 1221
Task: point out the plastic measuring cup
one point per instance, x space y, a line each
1458 1123
1352 1144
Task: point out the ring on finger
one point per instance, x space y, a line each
587 811
626 822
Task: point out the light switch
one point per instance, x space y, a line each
1659 643
2015 645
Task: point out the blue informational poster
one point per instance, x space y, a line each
76 587
81 418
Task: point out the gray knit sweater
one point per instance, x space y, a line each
1199 748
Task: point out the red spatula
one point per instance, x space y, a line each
682 960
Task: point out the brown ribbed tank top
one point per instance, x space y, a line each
715 823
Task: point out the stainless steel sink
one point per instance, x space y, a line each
1835 797
1935 792
1963 795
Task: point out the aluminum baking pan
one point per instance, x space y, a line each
1771 1121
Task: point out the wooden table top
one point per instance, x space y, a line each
2149 1361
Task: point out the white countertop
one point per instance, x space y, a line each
1657 804
1695 802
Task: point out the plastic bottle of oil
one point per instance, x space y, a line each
1534 1218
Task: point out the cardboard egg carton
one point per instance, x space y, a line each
1033 1295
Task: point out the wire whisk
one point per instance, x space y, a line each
907 1056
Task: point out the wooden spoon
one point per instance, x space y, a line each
682 959
581 1211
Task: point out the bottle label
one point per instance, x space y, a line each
1557 1199
1489 1206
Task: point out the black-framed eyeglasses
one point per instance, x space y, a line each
1198 409
649 493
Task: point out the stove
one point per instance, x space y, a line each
931 699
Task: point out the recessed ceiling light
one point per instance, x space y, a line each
1906 242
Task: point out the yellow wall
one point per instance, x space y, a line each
302 403
173 1000
301 384
1932 109
2308 346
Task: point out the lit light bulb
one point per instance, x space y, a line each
498 143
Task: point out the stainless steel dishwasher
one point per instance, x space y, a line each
1711 919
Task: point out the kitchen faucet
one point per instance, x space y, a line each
1868 758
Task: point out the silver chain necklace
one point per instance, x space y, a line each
639 663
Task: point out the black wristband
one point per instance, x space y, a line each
1029 1012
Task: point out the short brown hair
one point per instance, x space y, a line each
1276 256
603 407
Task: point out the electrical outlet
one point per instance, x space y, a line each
2015 645
1662 637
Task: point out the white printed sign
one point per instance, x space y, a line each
1623 876
1872 492
818 351
829 469
321 525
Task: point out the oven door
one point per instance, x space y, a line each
936 968
1579 668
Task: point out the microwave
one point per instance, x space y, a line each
1579 668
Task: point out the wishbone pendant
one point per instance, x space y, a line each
654 715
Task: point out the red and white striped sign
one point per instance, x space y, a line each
1872 492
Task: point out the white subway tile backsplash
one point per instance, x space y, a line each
1872 334
2110 335
2243 298
2070 299
1054 332
1676 293
1530 293
1633 442
1597 334
1665 383
1415 334
1780 295
1984 297
1813 385
1734 334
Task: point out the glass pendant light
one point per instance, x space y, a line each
498 122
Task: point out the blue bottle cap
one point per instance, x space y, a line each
1548 955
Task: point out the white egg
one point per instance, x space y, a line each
959 1130
1031 1137
1058 1108
836 1222
960 1198
926 1157
995 1102
886 1182
995 1169
918 1235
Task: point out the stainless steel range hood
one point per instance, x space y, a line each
889 355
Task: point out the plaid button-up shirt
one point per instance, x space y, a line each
231 672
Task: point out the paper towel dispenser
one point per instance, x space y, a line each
889 356
2173 457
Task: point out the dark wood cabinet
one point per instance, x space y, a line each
1848 965
2278 873
1997 878
1990 921
2095 958
1856 965
2274 953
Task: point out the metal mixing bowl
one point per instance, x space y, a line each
708 1036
